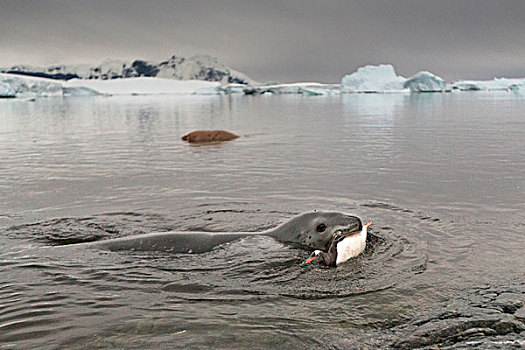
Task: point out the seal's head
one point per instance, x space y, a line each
316 229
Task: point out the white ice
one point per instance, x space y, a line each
78 91
488 85
234 88
304 88
380 78
24 86
146 86
6 90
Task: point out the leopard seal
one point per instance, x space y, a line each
312 230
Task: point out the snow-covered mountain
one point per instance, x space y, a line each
201 67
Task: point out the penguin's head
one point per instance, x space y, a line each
313 257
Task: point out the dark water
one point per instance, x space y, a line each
442 176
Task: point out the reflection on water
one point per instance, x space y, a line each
441 175
378 105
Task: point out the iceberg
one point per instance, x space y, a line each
425 82
381 78
13 85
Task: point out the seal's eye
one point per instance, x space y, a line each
321 228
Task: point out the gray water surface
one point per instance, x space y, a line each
441 175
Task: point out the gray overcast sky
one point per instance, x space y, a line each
275 40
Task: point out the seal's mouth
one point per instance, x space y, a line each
348 231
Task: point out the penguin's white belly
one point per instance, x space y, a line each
350 247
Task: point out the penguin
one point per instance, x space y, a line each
342 248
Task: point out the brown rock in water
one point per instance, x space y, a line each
200 136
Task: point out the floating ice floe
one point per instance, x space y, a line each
309 89
13 85
78 91
323 90
234 88
497 84
425 82
381 78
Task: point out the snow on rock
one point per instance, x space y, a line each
381 78
425 82
201 67
487 85
145 86
12 85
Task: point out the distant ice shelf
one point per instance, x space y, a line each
12 85
145 86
